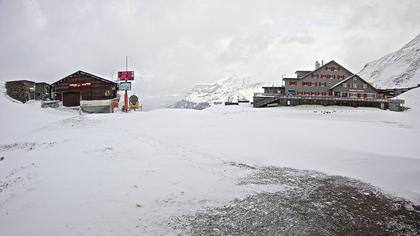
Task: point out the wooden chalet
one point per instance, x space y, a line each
83 86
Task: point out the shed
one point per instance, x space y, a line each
21 90
42 91
81 86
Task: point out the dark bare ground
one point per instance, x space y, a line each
312 203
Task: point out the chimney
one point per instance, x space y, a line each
322 63
317 65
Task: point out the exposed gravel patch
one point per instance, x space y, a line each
312 203
25 146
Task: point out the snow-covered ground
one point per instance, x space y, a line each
127 174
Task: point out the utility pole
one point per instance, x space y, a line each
126 93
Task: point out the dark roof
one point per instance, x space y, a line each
83 73
273 86
19 81
307 71
291 78
351 76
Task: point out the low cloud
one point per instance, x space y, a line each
173 45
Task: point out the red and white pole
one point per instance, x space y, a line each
126 93
126 101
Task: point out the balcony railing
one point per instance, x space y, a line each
268 95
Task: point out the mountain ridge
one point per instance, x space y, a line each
398 69
230 89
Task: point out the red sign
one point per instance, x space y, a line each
126 75
80 85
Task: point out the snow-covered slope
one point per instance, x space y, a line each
398 69
412 101
229 89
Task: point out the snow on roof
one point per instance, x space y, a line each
79 72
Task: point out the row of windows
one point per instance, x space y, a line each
337 94
310 84
324 84
327 76
307 93
332 68
354 85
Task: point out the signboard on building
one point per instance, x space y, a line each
125 86
78 85
126 75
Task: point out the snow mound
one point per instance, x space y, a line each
412 101
398 69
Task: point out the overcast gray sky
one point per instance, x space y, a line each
175 44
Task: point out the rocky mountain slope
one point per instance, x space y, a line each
229 89
396 70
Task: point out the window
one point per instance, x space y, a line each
344 85
292 83
291 92
371 95
354 85
365 86
107 93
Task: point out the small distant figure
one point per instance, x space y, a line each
1 158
